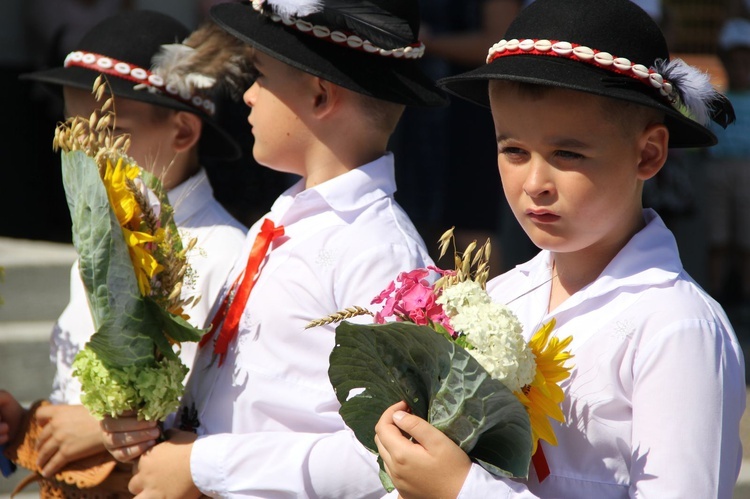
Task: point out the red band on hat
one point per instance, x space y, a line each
141 76
577 52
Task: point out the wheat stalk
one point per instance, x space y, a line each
342 315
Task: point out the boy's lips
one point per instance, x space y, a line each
542 216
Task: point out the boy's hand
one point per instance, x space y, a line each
429 466
11 415
164 470
69 433
127 437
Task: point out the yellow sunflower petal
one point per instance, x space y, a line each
543 396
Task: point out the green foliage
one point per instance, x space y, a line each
129 363
439 380
124 326
154 391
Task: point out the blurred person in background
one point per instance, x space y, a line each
728 181
438 146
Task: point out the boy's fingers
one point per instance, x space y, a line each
113 425
388 433
416 427
127 454
45 413
117 440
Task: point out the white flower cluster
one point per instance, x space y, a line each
493 330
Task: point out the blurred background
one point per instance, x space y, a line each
446 162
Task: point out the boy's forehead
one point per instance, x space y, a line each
547 101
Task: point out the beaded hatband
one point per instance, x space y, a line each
127 71
413 51
576 52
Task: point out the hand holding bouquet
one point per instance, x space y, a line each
457 359
132 264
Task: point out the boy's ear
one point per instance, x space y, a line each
326 96
654 144
188 128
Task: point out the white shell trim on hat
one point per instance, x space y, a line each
415 51
143 77
588 55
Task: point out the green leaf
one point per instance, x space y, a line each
125 327
174 326
440 381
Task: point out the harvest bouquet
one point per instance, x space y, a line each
132 263
457 359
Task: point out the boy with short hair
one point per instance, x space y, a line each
168 136
653 404
333 79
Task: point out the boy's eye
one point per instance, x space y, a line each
512 151
568 155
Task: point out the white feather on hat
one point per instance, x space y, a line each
295 8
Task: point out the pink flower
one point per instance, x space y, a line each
413 299
418 317
384 294
416 296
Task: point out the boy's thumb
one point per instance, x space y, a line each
416 427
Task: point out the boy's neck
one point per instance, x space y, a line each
572 271
327 162
184 166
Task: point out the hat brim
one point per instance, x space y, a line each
573 75
400 81
215 143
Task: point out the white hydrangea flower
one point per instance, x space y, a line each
461 295
494 331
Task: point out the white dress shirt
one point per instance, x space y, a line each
220 239
654 402
269 417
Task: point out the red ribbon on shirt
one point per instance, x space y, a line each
540 463
227 318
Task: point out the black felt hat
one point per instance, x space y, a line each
368 46
610 48
122 47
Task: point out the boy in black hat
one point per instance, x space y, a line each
169 134
333 79
586 102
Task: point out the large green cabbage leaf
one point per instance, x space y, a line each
440 381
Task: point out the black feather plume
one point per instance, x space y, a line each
368 21
722 111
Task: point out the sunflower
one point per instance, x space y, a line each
121 198
128 212
543 396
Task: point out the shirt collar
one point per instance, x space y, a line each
190 197
348 192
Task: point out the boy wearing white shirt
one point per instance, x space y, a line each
585 107
168 136
333 79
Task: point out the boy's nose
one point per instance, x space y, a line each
250 94
538 180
